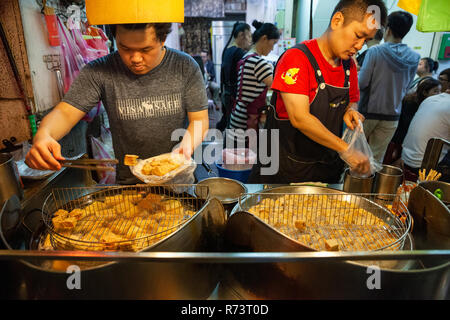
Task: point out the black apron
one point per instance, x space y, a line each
300 158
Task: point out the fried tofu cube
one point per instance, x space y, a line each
113 200
94 207
130 160
133 198
62 223
331 245
124 206
61 212
109 237
107 214
300 225
77 213
172 206
151 202
133 232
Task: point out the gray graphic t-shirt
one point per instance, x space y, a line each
143 110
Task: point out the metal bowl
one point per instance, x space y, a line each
227 191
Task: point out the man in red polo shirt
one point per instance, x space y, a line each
316 90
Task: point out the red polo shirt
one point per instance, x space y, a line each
295 74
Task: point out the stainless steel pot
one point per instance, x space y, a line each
387 180
9 178
357 185
227 191
124 280
323 280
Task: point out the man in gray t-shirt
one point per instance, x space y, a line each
147 90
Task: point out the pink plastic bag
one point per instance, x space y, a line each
76 53
99 151
72 59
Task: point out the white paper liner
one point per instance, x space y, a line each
184 174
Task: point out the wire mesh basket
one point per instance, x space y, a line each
334 221
125 218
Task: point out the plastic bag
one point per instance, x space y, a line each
357 141
184 174
72 61
238 159
76 53
100 151
433 17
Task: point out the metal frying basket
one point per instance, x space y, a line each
334 221
125 218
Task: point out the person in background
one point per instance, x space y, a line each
148 90
387 71
210 78
444 78
199 61
375 41
432 120
425 69
254 78
315 91
426 88
238 44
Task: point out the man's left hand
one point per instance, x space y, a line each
184 150
351 118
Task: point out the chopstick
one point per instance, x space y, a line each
90 161
102 168
84 164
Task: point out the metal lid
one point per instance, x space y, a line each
225 190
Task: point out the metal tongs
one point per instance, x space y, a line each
90 164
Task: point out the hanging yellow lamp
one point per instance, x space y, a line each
134 11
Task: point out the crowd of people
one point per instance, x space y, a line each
319 87
393 82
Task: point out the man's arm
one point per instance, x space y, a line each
298 109
46 150
196 132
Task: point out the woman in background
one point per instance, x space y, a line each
425 69
254 78
233 52
410 104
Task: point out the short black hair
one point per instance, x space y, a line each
379 35
432 65
357 9
161 29
445 72
400 22
264 29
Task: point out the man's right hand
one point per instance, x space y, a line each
357 161
44 154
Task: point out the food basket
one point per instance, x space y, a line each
125 218
333 221
183 173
